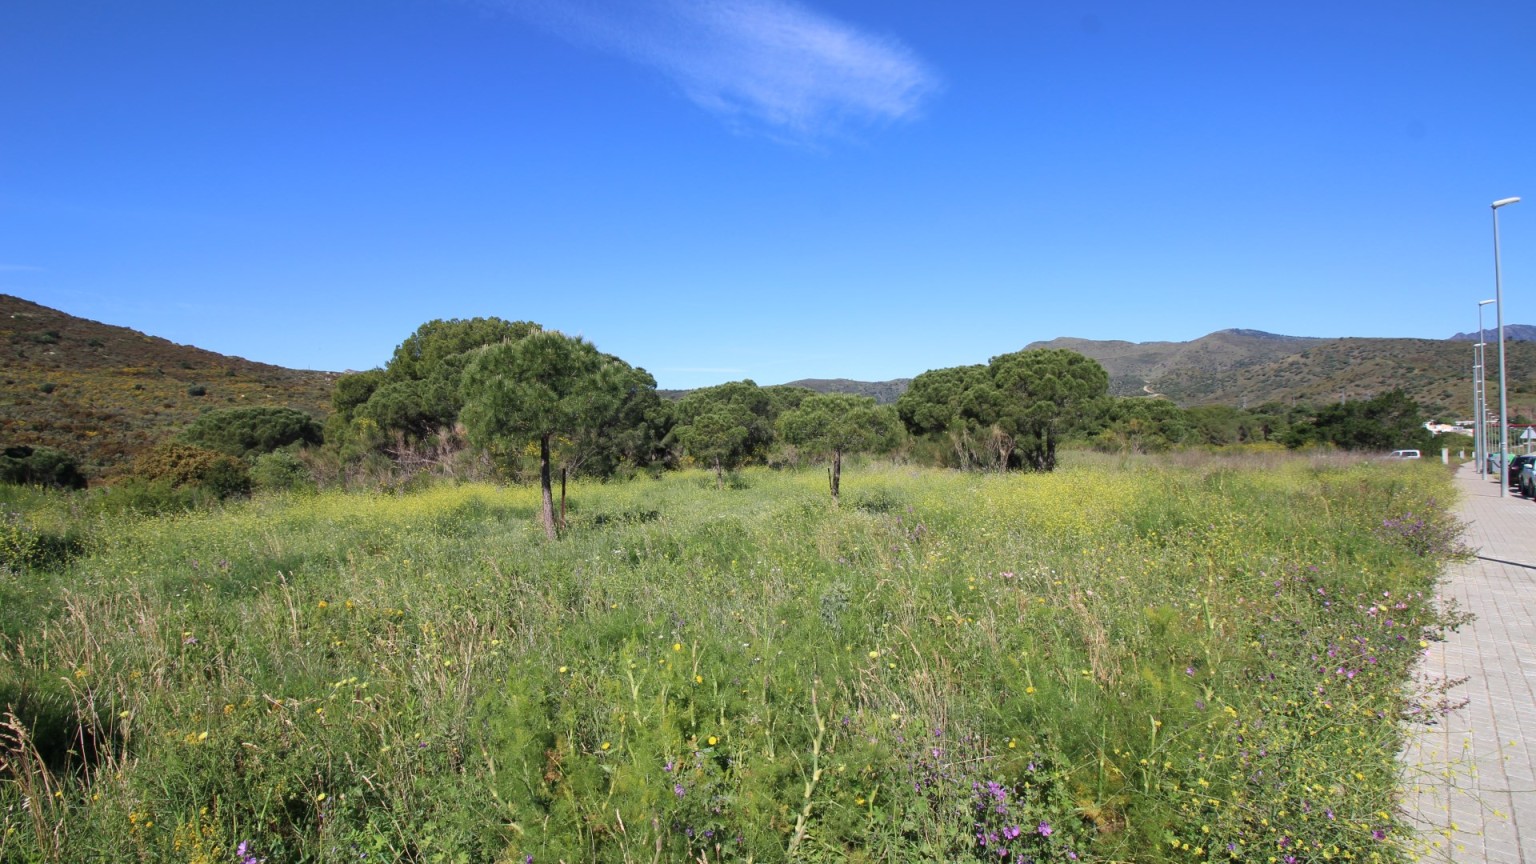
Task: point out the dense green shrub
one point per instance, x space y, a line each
249 432
1385 422
185 466
40 466
24 545
280 470
18 541
150 497
355 389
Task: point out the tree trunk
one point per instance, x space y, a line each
837 473
549 497
719 476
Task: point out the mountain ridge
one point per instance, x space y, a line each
1512 333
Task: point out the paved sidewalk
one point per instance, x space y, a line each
1472 779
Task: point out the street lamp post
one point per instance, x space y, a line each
1498 296
1480 394
1484 432
1477 435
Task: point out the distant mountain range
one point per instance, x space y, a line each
884 392
104 392
1250 367
1134 367
1512 333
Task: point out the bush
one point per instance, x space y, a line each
180 466
197 390
249 432
280 471
23 545
40 466
149 497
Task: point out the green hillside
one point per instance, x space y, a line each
883 392
103 393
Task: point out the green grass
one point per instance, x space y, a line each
1124 660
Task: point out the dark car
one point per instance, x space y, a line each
1525 480
1515 464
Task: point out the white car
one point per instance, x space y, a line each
1404 454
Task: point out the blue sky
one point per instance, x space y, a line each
765 189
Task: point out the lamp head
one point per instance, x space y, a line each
1502 201
1486 302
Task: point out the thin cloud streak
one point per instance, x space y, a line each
771 64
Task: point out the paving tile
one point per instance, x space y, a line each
1474 776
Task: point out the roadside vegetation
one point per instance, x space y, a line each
1127 659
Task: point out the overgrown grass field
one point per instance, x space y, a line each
1117 661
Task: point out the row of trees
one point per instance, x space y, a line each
521 399
519 393
522 394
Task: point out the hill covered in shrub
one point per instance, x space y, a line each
105 394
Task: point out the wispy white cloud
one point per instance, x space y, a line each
771 65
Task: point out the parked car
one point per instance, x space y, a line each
1404 454
1515 464
1525 475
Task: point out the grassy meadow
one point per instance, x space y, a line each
1125 660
